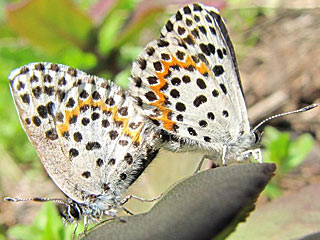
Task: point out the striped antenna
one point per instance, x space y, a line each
36 199
304 109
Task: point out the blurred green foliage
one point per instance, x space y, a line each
46 226
286 153
103 38
64 32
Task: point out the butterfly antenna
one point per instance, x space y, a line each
304 109
36 199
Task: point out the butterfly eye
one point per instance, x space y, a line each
257 137
74 211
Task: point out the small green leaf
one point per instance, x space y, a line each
298 150
46 226
276 146
287 154
53 223
270 134
279 148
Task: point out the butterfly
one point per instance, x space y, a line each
90 138
188 83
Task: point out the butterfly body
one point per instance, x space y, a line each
232 150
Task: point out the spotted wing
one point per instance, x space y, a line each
89 137
188 81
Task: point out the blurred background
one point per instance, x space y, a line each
277 45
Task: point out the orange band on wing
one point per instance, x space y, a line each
160 103
133 134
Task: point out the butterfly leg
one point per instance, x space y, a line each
224 152
86 221
257 154
199 165
127 198
74 231
128 211
86 224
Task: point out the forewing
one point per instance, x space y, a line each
188 82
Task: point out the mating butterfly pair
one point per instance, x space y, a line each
94 139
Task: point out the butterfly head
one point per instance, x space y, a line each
257 136
249 143
90 212
252 144
242 148
70 212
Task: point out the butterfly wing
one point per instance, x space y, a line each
90 139
188 81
